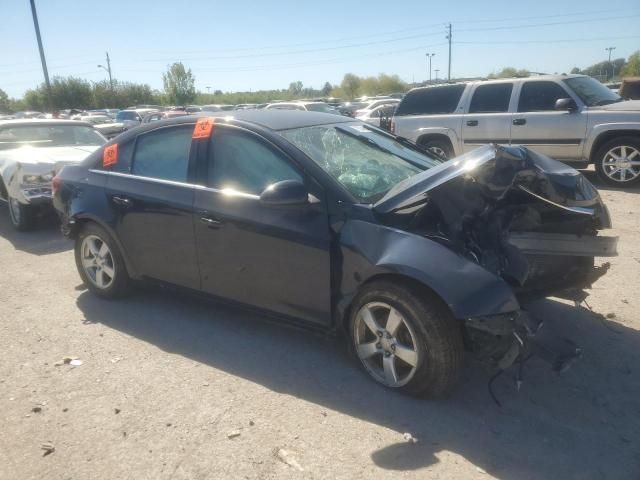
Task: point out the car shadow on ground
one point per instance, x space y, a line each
583 424
44 239
592 176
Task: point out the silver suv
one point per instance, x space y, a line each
573 118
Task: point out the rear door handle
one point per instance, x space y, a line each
122 201
209 220
519 121
472 123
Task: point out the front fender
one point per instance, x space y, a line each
468 289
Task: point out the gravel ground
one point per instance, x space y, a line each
173 386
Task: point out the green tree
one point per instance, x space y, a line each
510 72
295 88
350 85
4 102
575 70
632 67
326 89
179 84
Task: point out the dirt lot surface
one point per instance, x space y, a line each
172 386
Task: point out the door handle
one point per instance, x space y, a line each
122 201
519 121
209 221
472 123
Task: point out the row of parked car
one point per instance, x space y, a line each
336 224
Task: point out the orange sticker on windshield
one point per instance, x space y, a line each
110 155
203 128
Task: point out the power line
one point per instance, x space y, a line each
567 22
557 40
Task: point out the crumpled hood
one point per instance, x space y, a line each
498 169
626 106
48 155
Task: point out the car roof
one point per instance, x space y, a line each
499 80
42 121
270 119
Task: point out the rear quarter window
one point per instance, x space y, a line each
431 100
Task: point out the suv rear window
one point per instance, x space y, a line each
431 100
491 98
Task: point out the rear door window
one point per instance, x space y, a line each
244 163
540 96
163 153
491 98
431 100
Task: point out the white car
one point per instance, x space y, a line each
308 106
31 153
133 117
375 115
373 104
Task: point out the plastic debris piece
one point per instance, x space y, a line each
48 448
75 362
233 434
409 438
286 457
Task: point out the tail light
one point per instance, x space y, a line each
56 183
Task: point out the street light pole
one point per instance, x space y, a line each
610 49
108 70
41 49
429 55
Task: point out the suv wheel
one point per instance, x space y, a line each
618 162
406 340
22 216
100 263
441 148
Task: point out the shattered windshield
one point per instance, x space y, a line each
366 162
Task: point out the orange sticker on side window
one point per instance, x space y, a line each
203 128
110 155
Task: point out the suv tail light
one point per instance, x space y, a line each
56 183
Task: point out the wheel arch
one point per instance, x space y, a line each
607 136
81 220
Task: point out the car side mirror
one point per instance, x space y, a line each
286 192
566 104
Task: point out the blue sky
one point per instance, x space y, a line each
239 45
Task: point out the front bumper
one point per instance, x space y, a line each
35 194
499 341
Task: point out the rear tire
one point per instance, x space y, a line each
100 263
428 337
22 216
441 148
619 174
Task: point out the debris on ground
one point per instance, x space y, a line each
36 409
409 438
48 448
251 423
611 315
116 410
480 470
233 434
115 359
286 456
68 360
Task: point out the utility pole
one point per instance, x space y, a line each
449 38
610 49
108 70
42 59
429 55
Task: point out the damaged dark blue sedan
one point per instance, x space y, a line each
338 225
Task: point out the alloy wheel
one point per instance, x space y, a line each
97 261
622 164
438 151
386 344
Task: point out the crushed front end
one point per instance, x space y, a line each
531 220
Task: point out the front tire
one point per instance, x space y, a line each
406 339
22 216
618 162
100 263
